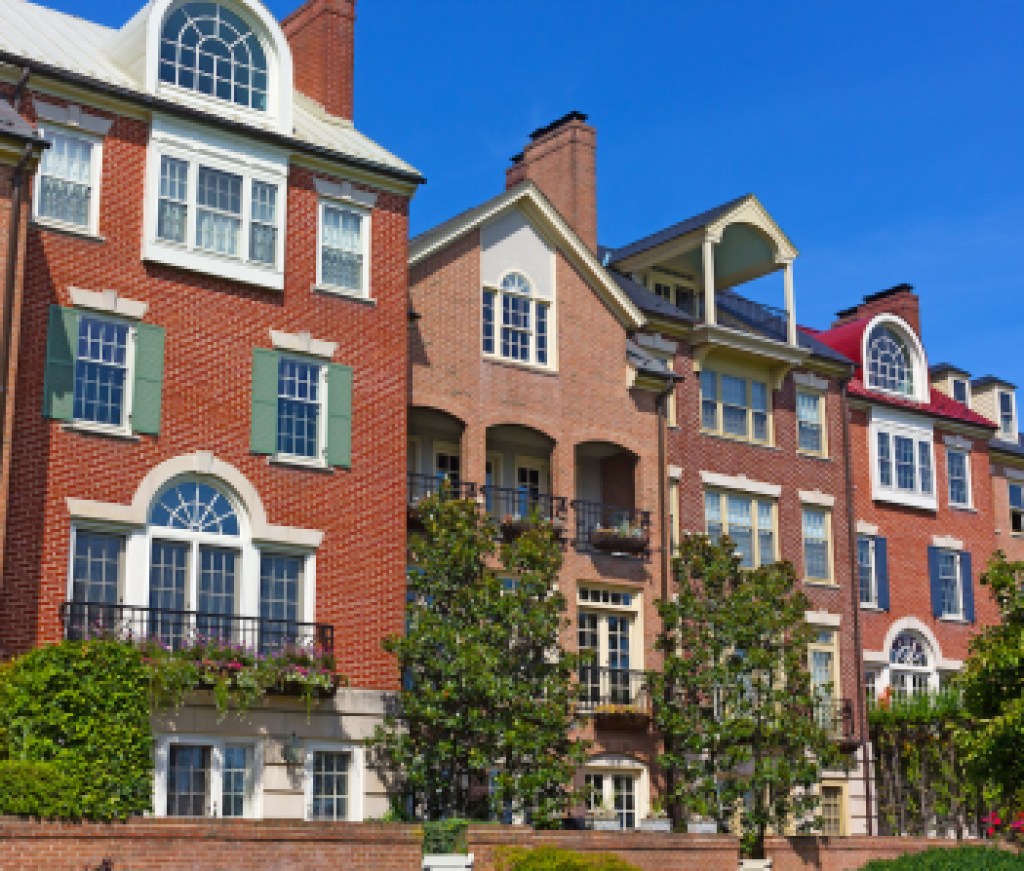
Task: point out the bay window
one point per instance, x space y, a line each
902 460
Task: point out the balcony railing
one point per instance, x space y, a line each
179 630
515 508
835 716
612 529
613 692
419 487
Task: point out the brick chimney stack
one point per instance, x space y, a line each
321 34
561 160
899 300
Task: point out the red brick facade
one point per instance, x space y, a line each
322 36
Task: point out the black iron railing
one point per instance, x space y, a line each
611 528
179 630
835 716
613 690
515 508
420 486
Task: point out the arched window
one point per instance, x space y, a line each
206 47
518 330
910 663
889 362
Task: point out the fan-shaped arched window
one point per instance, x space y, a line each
911 667
908 649
206 47
197 507
889 362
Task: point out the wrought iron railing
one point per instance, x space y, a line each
605 690
835 716
611 528
516 507
420 486
179 630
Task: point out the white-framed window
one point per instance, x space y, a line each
747 520
1007 415
911 666
867 571
104 365
343 248
301 422
67 185
333 782
201 776
817 528
962 390
608 635
889 364
810 416
613 790
1016 495
516 322
97 566
903 460
870 686
950 585
958 470
823 653
735 406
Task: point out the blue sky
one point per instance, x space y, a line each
885 138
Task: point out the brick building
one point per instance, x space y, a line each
205 405
630 396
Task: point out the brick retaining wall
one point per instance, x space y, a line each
844 854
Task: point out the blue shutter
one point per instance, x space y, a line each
882 572
936 584
967 586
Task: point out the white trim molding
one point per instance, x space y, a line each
805 379
947 542
303 343
823 618
911 624
865 528
816 497
675 472
957 442
355 782
109 301
72 116
1014 474
741 483
345 190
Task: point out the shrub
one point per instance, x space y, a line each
82 707
445 836
35 789
555 859
951 859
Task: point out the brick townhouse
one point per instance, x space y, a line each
629 394
205 404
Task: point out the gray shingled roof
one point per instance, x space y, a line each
12 124
676 230
648 364
989 380
943 368
1009 447
647 302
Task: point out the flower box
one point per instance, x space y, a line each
623 539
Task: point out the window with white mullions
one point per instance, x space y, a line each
188 781
98 567
515 327
890 364
218 211
904 464
515 323
172 216
101 371
263 226
957 469
342 248
1017 508
280 583
748 521
205 778
66 177
910 660
817 559
866 571
734 406
299 408
236 774
950 584
810 421
330 776
612 791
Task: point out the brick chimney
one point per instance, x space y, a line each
561 160
321 34
899 300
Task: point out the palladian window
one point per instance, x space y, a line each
207 48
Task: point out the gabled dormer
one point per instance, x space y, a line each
996 399
952 381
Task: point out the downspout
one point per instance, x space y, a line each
663 526
851 526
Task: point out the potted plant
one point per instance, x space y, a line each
603 818
445 847
657 819
624 537
514 525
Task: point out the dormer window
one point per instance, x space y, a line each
207 48
1007 416
889 362
961 391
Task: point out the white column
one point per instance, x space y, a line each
708 257
790 306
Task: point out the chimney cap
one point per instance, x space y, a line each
574 115
889 291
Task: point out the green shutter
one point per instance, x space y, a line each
263 439
59 379
339 415
149 379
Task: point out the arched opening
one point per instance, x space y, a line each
607 517
434 456
517 486
911 665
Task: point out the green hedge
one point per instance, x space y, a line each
951 859
35 789
82 707
555 859
445 836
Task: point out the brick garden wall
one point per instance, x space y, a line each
842 854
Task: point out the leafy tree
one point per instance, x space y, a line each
992 683
487 692
734 701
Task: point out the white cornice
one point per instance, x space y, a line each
822 618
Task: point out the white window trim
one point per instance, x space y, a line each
351 204
170 138
958 616
918 362
610 765
741 483
1003 434
872 604
95 181
109 302
967 385
131 340
356 777
163 743
536 301
951 449
319 459
817 498
603 609
896 424
302 344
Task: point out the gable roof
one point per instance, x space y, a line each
69 44
527 197
989 381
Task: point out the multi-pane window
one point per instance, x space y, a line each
822 656
605 623
960 391
949 584
1017 508
204 779
101 371
734 406
959 477
817 560
747 520
890 365
515 322
329 790
235 216
870 686
207 48
617 792
910 666
831 810
905 464
280 582
235 780
97 568
188 780
866 571
67 179
810 418
343 241
299 413
1007 416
